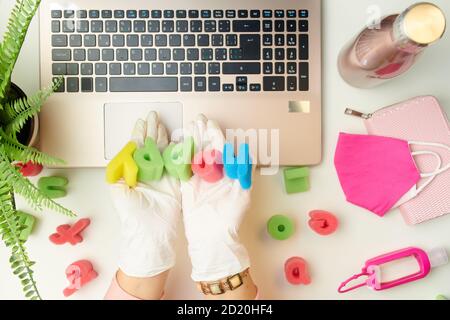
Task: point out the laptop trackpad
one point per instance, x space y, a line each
120 118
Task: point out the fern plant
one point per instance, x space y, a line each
14 114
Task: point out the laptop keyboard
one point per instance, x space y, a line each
180 50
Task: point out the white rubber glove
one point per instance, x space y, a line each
149 213
212 214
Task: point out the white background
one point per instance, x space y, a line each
362 235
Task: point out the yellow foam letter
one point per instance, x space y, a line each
123 165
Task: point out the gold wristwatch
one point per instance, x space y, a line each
223 285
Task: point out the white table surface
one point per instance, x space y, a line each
331 259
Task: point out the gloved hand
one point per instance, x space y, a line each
212 214
148 213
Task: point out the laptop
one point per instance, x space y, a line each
254 66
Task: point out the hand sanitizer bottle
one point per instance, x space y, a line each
386 51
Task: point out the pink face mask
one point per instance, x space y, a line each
379 173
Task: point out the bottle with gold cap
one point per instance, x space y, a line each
386 51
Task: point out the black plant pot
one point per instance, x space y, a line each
28 135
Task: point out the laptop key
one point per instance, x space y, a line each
267 67
218 14
79 54
207 54
189 40
171 68
196 26
221 54
69 14
87 69
143 84
132 40
118 40
291 83
292 68
143 69
303 47
182 26
72 84
87 84
175 40
181 14
156 14
291 40
61 87
164 54
236 54
179 54
107 55
185 84
101 69
59 40
144 14
228 87
267 40
230 14
206 14
279 40
146 40
93 54
115 69
279 67
273 83
210 26
136 54
119 14
186 68
303 75
168 26
279 13
59 69
193 14
224 26
122 54
251 46
291 26
161 40
267 53
255 87
56 14
279 25
139 26
291 13
217 40
246 26
72 69
101 84
203 40
303 25
89 40
193 54
68 26
214 84
157 68
131 14
243 13
267 13
94 14
292 54
82 26
104 40
96 26
61 54
125 26
111 26
200 84
75 40
214 68
129 68
279 54
200 68
56 26
169 14
241 68
150 54
267 26
255 13
106 14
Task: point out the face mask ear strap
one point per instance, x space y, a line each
439 170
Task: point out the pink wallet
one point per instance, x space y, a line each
418 119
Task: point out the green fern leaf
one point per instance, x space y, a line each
26 189
21 110
19 21
19 261
18 152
